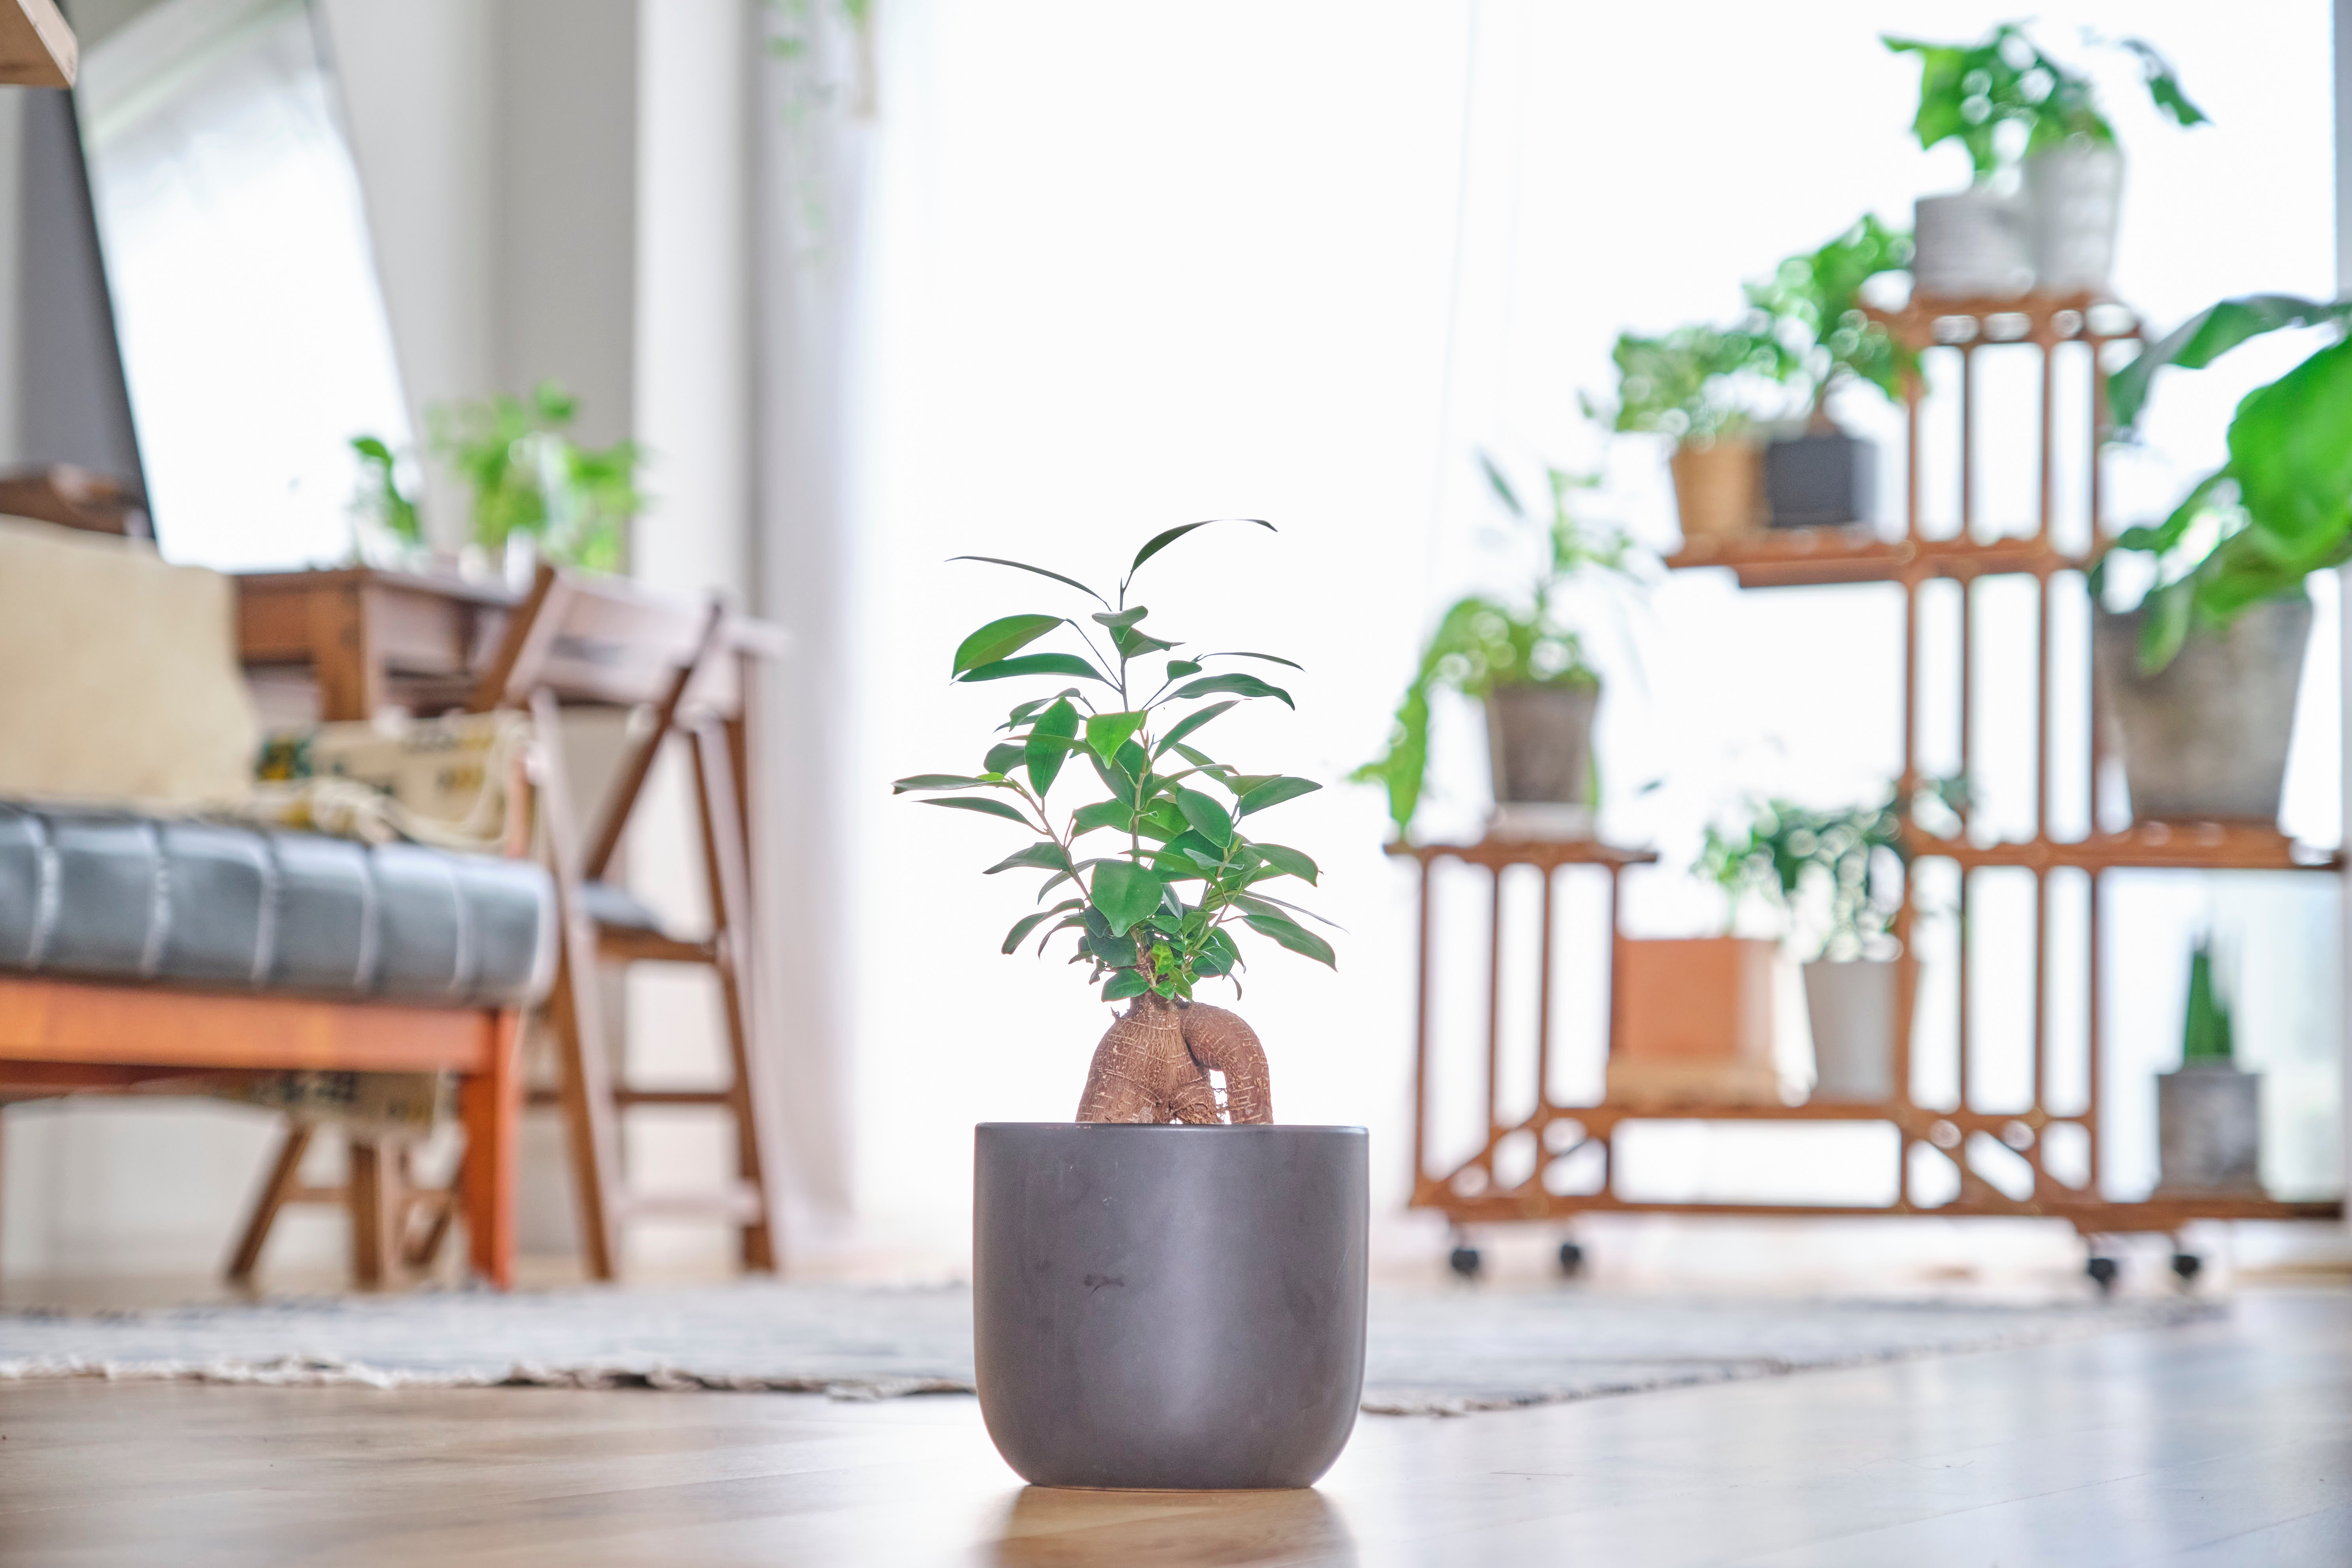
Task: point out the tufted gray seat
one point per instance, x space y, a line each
109 895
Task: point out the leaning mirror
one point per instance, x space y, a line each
253 334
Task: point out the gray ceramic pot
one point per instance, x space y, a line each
2208 1130
2205 738
1169 1307
1539 739
1851 1006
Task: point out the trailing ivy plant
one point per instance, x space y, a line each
1157 873
1971 92
2279 509
1482 642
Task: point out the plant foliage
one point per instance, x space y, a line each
528 476
1159 913
1481 642
2207 1034
1784 848
380 500
1969 92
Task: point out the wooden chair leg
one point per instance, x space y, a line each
726 860
372 1191
275 1188
491 1104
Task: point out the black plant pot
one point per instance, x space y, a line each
1816 481
1169 1307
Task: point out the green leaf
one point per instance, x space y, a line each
1294 936
1025 566
1034 703
1005 756
1499 485
2206 336
1269 657
1036 664
1105 732
1191 722
1133 644
1241 685
1027 924
992 808
1048 744
1177 666
1274 793
1125 983
1289 862
1207 817
1125 892
1161 542
1044 856
1101 814
1000 639
2164 625
1123 619
943 781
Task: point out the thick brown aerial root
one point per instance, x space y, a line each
1141 1071
1221 1042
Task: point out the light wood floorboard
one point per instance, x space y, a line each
2225 1442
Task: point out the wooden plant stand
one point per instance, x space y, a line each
1470 1191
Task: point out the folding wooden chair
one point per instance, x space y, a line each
578 641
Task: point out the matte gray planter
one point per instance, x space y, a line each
1820 481
2205 738
1539 742
1169 1307
1851 1008
2208 1130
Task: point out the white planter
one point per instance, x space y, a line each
2075 198
1971 245
1851 1008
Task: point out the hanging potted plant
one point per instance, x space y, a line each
2207 1112
2201 672
2027 121
1168 1291
1526 665
1685 385
1811 307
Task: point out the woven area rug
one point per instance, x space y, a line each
1429 1352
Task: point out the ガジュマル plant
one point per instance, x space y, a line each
1154 916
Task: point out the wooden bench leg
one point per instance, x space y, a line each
491 1104
372 1191
275 1188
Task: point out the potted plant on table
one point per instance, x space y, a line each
2207 1112
1527 665
1168 1292
2025 118
2202 670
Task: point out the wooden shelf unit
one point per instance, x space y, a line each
1469 1190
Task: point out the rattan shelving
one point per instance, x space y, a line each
1469 1190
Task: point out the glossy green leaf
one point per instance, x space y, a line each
1182 667
1125 983
943 781
1043 856
1025 566
1240 685
1022 711
992 808
1123 619
1047 745
1207 817
1287 861
1269 657
1162 540
1036 664
1005 756
1294 936
2206 336
1000 639
1191 722
1101 814
1274 793
1027 924
1133 644
1105 732
1125 892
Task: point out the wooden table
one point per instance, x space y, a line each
371 636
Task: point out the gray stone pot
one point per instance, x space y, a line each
1169 1307
2205 738
2208 1130
2074 197
1851 1008
1539 740
1820 481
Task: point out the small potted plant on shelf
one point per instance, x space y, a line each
1526 665
1838 873
1812 307
1168 1292
2024 119
2201 672
1685 385
2209 1112
536 491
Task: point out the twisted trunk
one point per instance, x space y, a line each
1154 1061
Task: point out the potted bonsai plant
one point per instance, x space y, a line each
1835 878
1527 665
2009 104
1168 1291
1682 385
2201 673
2207 1113
1812 307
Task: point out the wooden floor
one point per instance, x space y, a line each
2228 1442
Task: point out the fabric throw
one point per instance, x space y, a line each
1429 1352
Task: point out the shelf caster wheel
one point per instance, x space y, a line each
2103 1272
1465 1260
2188 1265
1571 1259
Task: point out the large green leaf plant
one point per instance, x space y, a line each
2003 98
1156 908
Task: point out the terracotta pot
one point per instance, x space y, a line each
2205 738
1718 488
2208 1130
1694 1023
1539 740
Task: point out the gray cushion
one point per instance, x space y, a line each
109 895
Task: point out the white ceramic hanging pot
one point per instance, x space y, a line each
2075 198
1971 245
